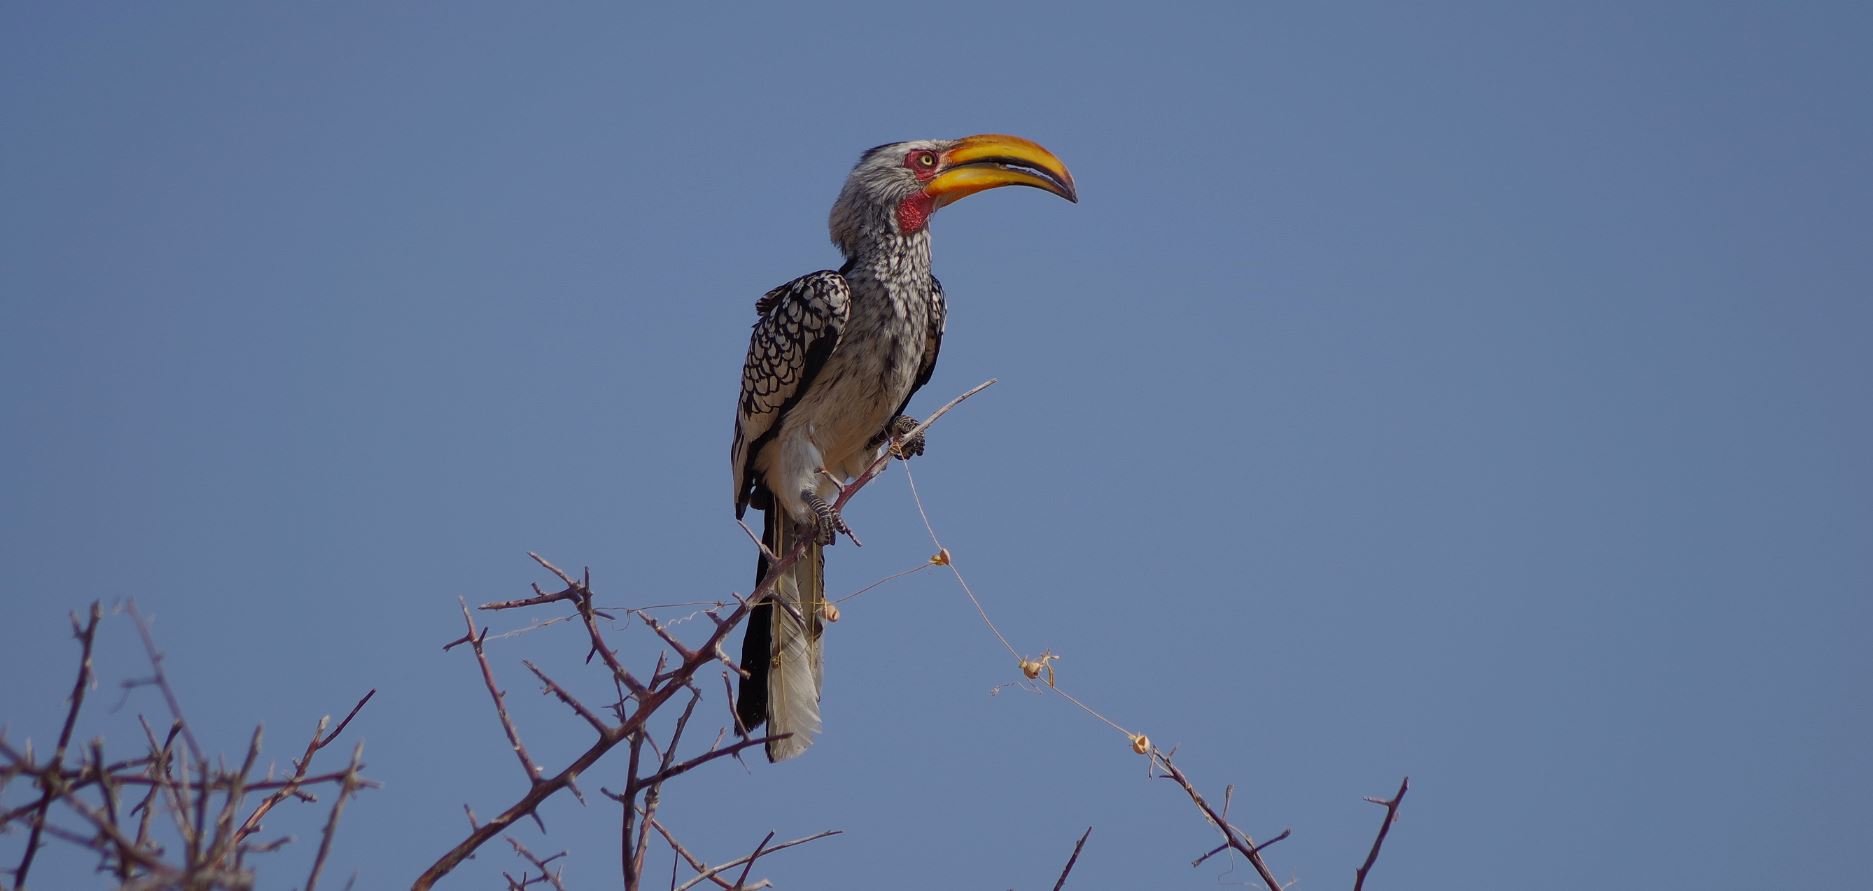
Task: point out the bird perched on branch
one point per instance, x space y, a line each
832 364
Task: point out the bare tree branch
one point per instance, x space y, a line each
338 807
748 860
201 798
1062 881
597 723
1391 813
1234 838
695 863
552 877
86 634
320 739
742 880
500 699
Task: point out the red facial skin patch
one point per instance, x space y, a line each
913 213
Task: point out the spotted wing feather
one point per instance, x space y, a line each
801 324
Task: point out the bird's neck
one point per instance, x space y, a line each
890 259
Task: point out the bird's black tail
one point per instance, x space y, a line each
758 641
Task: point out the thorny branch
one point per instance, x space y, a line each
475 640
552 877
345 790
1234 839
86 636
635 708
203 801
290 788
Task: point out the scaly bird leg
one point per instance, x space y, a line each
827 522
895 433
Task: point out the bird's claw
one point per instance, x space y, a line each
903 444
827 523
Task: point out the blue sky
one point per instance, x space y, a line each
1466 391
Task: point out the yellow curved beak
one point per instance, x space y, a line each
993 160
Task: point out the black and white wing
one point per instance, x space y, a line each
800 325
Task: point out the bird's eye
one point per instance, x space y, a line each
922 160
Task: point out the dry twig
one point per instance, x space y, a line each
1391 813
1233 838
1062 881
552 877
86 636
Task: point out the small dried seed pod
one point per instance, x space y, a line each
1141 744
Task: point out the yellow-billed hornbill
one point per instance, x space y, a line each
832 365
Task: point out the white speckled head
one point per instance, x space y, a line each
881 181
895 188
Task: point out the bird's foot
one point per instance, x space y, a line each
904 445
827 524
